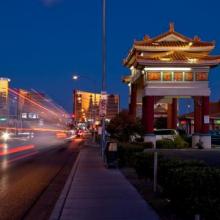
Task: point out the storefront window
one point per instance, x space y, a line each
155 76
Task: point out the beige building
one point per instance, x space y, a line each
86 106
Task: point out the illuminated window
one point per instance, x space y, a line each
201 76
167 76
188 76
178 76
153 76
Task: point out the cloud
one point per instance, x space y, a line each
50 3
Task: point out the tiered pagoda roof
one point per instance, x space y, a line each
171 48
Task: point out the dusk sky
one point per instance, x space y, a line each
43 42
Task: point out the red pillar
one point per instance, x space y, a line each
169 116
190 126
133 100
148 114
174 113
205 114
197 114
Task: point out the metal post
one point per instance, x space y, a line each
197 217
103 45
155 171
103 68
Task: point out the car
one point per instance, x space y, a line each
170 134
79 133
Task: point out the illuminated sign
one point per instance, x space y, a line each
189 76
155 76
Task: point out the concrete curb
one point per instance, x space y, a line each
58 208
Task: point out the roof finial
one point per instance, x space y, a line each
196 39
171 27
146 38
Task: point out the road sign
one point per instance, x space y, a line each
103 105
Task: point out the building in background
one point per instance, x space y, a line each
186 121
86 106
4 104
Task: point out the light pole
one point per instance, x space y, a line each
103 69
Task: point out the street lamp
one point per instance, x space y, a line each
103 69
75 77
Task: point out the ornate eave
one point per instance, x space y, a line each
126 79
172 42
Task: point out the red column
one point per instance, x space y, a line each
133 100
197 114
169 116
190 126
205 114
148 114
174 113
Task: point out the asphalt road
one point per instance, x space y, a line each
32 176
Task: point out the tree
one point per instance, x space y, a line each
160 123
124 125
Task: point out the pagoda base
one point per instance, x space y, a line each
195 140
206 141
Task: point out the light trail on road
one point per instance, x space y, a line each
33 129
7 150
32 102
24 183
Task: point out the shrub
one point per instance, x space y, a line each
145 145
194 190
165 167
127 152
144 163
179 142
190 185
188 139
165 144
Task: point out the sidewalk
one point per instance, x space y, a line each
93 192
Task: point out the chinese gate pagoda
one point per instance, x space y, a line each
168 67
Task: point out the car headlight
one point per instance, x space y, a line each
5 136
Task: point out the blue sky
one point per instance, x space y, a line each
42 42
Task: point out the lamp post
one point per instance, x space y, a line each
103 69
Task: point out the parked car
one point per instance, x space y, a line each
166 134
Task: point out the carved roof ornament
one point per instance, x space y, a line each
196 39
146 38
172 28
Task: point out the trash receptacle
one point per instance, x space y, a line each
111 154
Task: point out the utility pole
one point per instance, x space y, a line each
103 69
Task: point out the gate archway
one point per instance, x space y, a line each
165 68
